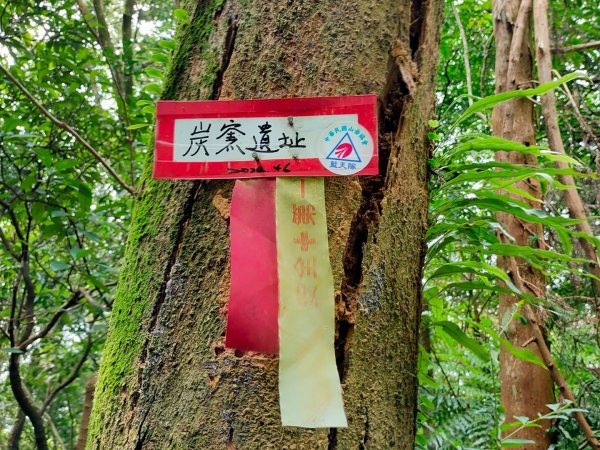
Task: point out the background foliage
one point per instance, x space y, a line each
63 218
460 405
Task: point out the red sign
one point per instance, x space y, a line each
320 136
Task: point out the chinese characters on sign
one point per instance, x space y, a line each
261 138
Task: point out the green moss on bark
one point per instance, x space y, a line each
156 212
193 43
137 289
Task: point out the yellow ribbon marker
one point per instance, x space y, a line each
310 394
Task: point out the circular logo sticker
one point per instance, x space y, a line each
346 148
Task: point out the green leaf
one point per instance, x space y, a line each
67 164
58 213
493 100
159 58
515 442
433 123
57 266
452 330
168 44
12 350
433 136
137 126
151 72
29 181
524 354
150 109
45 156
56 229
181 15
153 88
469 266
78 253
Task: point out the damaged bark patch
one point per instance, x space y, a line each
365 223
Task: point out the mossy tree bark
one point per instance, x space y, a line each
166 380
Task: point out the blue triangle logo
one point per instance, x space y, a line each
344 150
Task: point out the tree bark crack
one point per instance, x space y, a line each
180 235
227 53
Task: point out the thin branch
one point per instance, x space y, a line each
86 294
13 219
87 409
12 329
577 48
73 300
486 52
17 428
15 431
58 441
579 116
114 73
70 130
23 260
103 31
8 246
463 37
108 51
456 396
127 35
72 376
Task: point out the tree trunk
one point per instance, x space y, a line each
166 380
572 199
88 399
525 387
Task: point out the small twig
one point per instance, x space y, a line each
72 376
446 378
86 294
465 44
116 78
8 246
577 48
70 130
486 51
73 300
527 342
533 288
577 112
